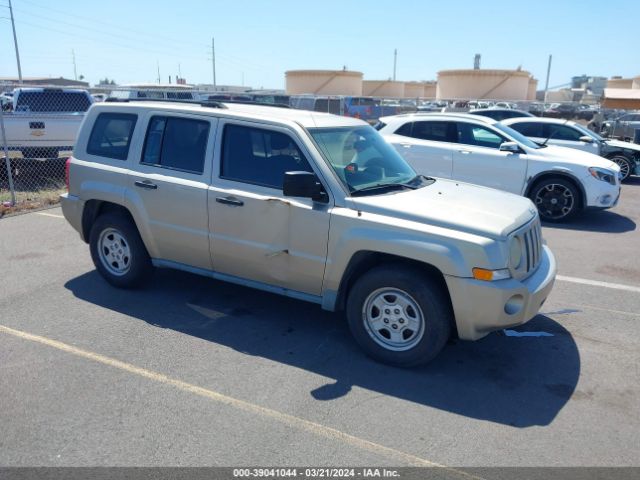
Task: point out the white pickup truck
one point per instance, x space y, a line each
45 121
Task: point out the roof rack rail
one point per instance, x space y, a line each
206 103
165 100
247 102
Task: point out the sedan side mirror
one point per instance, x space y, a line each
511 147
586 139
305 185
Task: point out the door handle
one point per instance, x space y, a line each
233 201
465 152
146 184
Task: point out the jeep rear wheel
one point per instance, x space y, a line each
399 316
118 252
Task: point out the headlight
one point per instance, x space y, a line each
515 253
603 175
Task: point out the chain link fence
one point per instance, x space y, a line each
40 124
38 130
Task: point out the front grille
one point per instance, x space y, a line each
532 243
530 237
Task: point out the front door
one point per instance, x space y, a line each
478 159
256 233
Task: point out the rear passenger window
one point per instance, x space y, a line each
176 143
436 131
111 135
405 130
260 157
529 129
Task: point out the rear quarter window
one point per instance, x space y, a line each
111 135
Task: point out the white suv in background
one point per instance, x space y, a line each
565 133
475 149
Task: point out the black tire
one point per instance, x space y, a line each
567 197
136 266
434 308
626 165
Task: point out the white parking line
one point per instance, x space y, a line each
44 214
596 283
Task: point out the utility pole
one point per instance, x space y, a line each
213 62
395 60
15 42
158 62
546 85
75 72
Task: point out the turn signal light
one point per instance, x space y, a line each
490 275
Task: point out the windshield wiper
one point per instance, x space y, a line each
381 187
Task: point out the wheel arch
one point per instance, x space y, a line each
365 260
94 208
533 181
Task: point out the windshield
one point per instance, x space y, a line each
586 131
517 136
361 157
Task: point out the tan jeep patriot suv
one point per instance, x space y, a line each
308 205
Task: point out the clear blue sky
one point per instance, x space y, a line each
259 40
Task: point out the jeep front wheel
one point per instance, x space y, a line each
399 316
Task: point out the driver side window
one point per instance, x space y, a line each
260 157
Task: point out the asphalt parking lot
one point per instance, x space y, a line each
194 372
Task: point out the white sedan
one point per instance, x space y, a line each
475 149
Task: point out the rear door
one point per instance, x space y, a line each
478 159
427 145
169 186
257 233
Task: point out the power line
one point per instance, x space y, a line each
166 40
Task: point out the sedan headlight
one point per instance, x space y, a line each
603 175
515 253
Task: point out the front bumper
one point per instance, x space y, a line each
482 307
72 208
599 194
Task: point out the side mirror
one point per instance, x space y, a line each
511 147
305 185
586 139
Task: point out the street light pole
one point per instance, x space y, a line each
213 62
15 43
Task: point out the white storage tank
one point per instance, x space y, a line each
382 88
430 90
324 82
413 89
533 88
483 84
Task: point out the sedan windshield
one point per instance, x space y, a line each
517 136
364 162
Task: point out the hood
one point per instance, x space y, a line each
625 145
455 205
554 153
